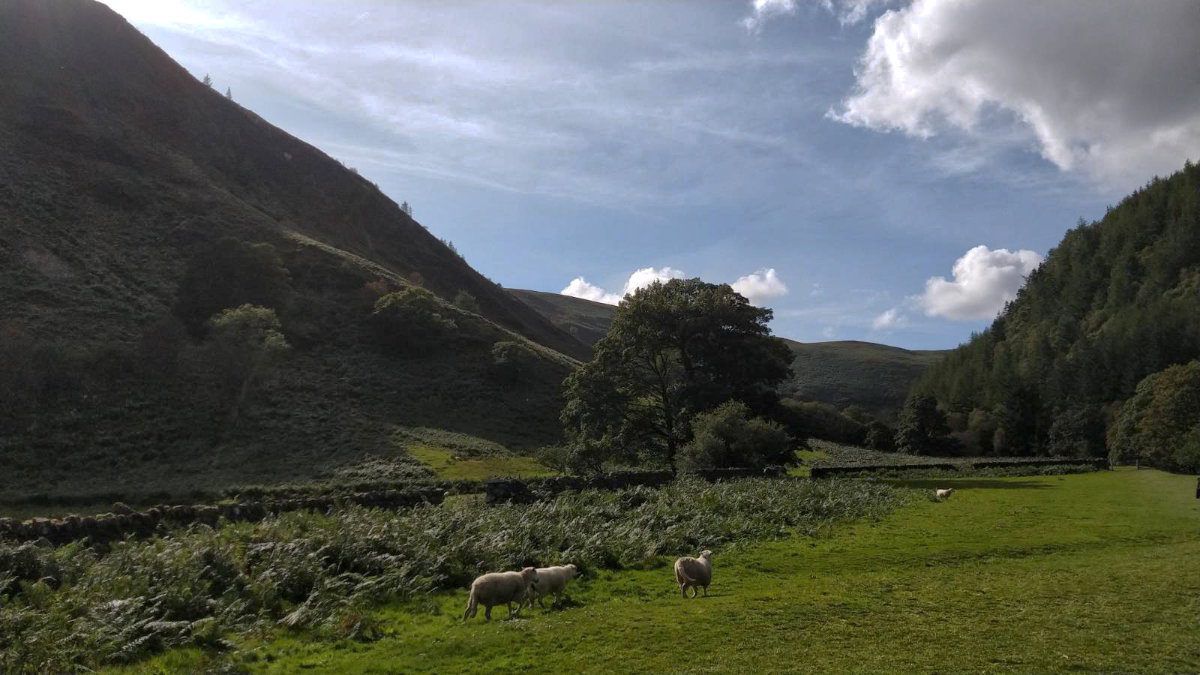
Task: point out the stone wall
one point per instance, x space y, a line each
499 490
105 528
1097 464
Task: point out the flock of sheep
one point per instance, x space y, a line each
534 583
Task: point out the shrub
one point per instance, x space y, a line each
880 437
412 320
466 302
728 436
228 274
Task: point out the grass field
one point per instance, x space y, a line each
1096 571
446 465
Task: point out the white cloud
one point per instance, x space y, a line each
760 286
983 281
1107 87
762 11
756 287
580 288
893 318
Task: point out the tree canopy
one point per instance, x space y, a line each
674 350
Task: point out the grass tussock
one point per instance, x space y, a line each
69 608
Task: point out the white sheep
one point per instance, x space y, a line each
943 495
551 580
500 588
693 572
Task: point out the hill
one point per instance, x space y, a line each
135 203
873 376
1115 301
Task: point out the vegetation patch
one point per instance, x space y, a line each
450 466
69 608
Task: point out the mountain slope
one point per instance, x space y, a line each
873 376
1115 301
131 195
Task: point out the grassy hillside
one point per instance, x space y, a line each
584 320
133 198
873 376
1041 574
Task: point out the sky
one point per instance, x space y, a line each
869 170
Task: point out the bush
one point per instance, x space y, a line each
880 437
728 436
511 361
820 420
412 321
230 273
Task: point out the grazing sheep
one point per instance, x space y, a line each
943 495
500 588
551 580
693 572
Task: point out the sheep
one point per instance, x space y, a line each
551 580
693 572
943 495
500 588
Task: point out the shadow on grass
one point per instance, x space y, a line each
969 483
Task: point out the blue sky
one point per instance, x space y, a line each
883 171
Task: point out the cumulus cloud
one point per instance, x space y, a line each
762 11
893 318
983 281
760 286
580 288
1106 87
757 287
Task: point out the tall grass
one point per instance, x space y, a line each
67 608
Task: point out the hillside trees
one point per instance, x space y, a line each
922 428
412 321
1114 302
1160 424
674 350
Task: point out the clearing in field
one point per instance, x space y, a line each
1097 572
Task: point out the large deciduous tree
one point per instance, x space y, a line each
674 349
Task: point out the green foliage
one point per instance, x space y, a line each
880 437
512 361
228 274
922 428
467 302
814 419
67 609
728 436
674 349
412 321
245 344
1160 425
1114 302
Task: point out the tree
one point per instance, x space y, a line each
406 208
244 344
880 437
230 273
467 302
229 93
922 427
728 436
1161 423
207 80
673 350
412 320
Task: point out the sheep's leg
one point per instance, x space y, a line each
683 590
487 612
705 591
541 604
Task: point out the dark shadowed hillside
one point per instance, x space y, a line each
873 376
136 203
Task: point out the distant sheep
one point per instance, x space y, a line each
500 588
551 580
694 572
943 495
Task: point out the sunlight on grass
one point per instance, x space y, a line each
1016 574
446 465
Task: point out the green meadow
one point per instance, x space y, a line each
1094 572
